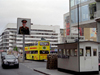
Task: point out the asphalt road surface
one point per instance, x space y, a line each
22 70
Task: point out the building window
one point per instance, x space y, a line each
77 2
72 3
83 1
94 52
92 8
76 16
73 16
85 14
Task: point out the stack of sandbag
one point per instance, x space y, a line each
52 61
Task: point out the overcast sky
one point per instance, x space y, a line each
42 12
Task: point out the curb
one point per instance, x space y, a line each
41 72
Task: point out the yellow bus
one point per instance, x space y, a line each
37 50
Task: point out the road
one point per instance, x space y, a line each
23 70
27 67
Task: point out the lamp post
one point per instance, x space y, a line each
78 37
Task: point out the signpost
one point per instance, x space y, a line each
23 28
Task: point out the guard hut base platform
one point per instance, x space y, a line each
84 63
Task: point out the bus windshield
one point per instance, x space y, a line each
44 52
44 43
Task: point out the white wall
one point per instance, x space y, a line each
92 61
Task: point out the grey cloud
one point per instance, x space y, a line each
43 12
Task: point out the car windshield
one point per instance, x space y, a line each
4 53
10 57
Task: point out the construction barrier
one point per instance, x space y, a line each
52 61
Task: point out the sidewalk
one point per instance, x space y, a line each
50 71
41 68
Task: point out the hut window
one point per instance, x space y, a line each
59 52
81 52
75 52
67 51
64 52
72 52
88 51
94 52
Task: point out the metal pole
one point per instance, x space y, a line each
78 37
23 47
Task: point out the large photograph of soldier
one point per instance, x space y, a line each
23 26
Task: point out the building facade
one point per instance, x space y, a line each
87 15
9 37
71 33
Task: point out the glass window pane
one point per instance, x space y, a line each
85 14
83 1
77 2
92 9
76 16
75 52
67 51
72 52
73 16
88 51
72 3
94 52
81 52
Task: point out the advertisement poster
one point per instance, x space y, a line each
93 33
74 31
23 26
67 25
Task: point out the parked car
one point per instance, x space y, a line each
10 60
3 54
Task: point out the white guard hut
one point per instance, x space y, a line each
86 62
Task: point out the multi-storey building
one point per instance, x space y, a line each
71 32
9 37
87 15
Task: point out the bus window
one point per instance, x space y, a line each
44 43
44 52
34 52
27 52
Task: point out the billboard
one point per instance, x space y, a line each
23 26
93 33
67 25
74 31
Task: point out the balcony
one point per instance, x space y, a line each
11 41
10 45
19 45
5 42
12 33
19 41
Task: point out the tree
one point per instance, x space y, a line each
15 49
